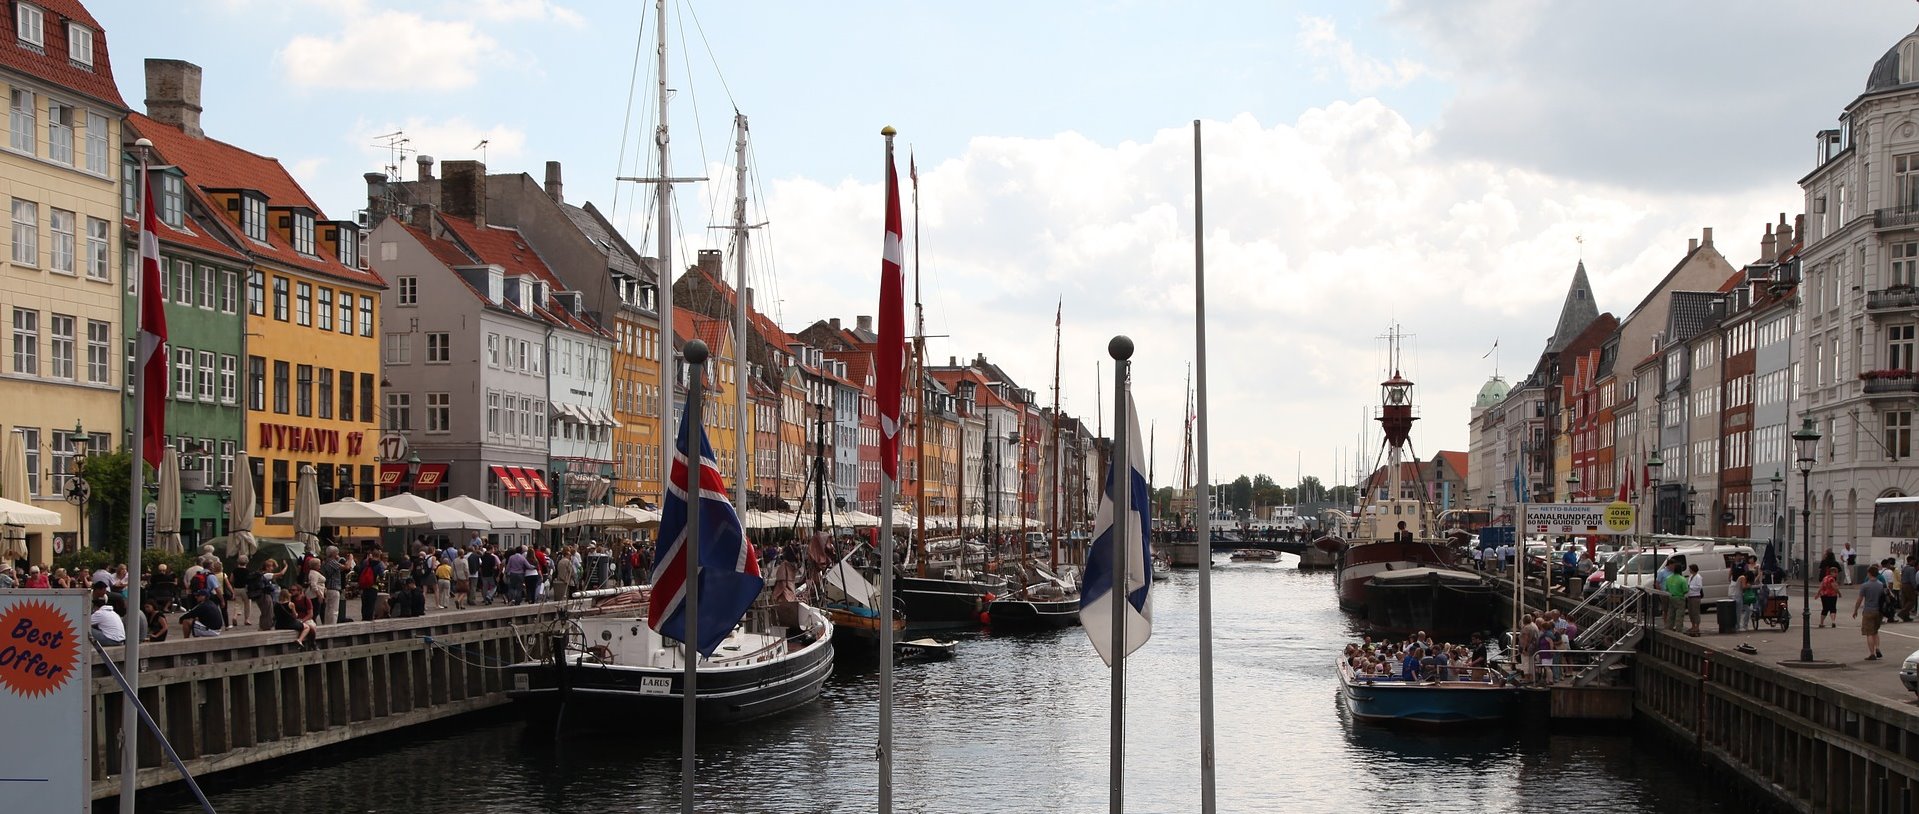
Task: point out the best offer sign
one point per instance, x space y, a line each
45 673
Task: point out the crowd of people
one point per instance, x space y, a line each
1419 658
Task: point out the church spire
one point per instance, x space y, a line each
1576 313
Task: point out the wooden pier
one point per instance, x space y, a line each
234 700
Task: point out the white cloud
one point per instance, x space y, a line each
1319 38
391 50
1320 232
507 11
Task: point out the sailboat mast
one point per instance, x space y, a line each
1053 490
740 395
663 201
919 385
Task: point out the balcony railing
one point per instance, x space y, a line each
1892 385
1891 299
1896 217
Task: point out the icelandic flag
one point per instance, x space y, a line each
1096 595
729 567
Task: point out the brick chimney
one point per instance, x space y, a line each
749 301
173 94
376 192
1768 248
463 190
1782 234
1706 236
866 324
425 162
553 182
835 322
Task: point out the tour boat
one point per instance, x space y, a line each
1449 604
1255 555
1474 694
613 668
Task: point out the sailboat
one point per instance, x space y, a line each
1039 596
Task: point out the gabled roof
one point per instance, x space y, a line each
859 364
486 247
1691 313
210 164
620 256
51 63
1455 461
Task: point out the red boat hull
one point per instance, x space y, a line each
1361 561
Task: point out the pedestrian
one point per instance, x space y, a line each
1849 558
332 572
462 580
517 581
156 621
105 624
1748 598
487 566
293 612
1866 609
1829 595
240 586
368 578
62 580
36 578
261 590
1909 587
1695 594
442 584
204 618
565 571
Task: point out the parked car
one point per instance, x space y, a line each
1909 673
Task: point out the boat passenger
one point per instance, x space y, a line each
1409 669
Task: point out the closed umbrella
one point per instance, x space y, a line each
306 509
240 510
496 517
439 518
166 519
13 489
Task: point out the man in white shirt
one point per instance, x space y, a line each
1695 593
106 624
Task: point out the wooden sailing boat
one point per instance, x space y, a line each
1040 597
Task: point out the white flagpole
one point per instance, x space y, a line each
1121 349
695 353
1207 802
888 488
135 620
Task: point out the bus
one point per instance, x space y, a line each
1895 525
1471 520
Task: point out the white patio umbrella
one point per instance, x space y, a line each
606 516
13 491
306 508
15 513
858 519
757 519
350 512
240 509
496 517
166 518
439 518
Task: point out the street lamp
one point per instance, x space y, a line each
77 488
1807 442
1653 466
1572 487
1692 501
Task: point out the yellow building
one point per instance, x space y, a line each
311 380
61 298
721 414
636 405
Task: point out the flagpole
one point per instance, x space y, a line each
1207 801
1121 349
889 359
695 353
135 621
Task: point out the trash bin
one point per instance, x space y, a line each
1576 588
1728 617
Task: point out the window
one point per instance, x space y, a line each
26 232
366 398
280 298
226 463
256 383
61 225
183 374
398 348
439 412
492 413
229 292
60 133
173 194
97 236
60 346
346 396
21 121
129 195
208 293
1905 261
253 217
492 350
303 391
229 378
1899 434
26 342
325 310
303 305
348 240
346 313
408 290
183 282
1899 347
98 344
98 156
29 21
1905 173
366 315
282 372
439 347
31 438
208 360
325 401
257 293
303 233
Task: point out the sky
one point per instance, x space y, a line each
1439 165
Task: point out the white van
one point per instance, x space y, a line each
1638 566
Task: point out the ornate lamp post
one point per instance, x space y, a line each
1692 502
1806 440
77 488
1572 487
1653 466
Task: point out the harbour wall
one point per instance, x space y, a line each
231 701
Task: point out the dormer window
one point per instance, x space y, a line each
349 246
302 232
80 44
253 217
28 21
1908 54
173 198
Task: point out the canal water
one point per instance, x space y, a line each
1019 723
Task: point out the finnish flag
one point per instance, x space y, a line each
1096 595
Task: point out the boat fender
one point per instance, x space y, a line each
985 618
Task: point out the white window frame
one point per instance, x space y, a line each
406 291
399 412
26 233
61 347
99 233
303 233
253 217
207 371
229 378
439 412
26 342
23 121
209 296
80 44
183 374
99 346
439 348
183 282
61 249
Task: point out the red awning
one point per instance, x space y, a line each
519 477
539 483
431 477
392 475
507 481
